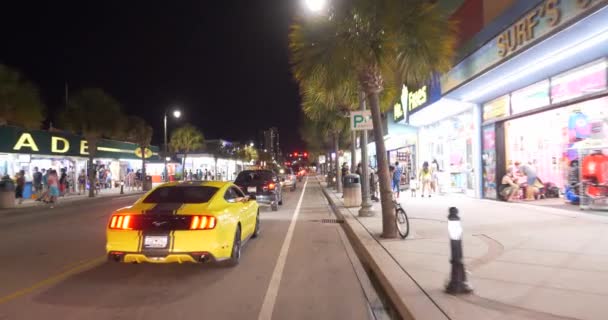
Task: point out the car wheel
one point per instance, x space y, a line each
235 256
274 206
256 232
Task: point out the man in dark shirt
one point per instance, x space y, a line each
37 177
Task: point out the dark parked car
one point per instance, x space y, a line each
264 184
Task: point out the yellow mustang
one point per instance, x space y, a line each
184 222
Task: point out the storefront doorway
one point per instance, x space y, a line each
450 143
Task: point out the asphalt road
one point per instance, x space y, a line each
53 266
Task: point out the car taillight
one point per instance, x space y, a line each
271 186
120 222
203 223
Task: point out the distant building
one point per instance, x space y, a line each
271 142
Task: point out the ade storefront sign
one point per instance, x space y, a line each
545 19
23 141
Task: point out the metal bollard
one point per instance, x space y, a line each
122 184
458 279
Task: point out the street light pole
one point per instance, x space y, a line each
366 206
165 148
176 114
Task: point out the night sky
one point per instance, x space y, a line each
225 63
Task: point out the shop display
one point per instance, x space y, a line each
489 162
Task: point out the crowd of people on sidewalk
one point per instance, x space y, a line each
427 180
48 185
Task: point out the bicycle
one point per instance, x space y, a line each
401 220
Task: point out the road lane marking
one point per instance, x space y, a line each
53 279
277 274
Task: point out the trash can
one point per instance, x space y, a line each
7 193
27 190
352 190
147 186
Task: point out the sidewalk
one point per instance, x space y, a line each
525 261
106 193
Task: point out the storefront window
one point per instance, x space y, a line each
406 158
544 141
489 161
579 82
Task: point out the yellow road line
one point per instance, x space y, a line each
52 279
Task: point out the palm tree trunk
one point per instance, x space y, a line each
337 162
184 167
92 150
389 229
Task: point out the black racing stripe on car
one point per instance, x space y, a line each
172 239
178 209
140 241
163 209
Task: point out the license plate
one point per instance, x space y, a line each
155 241
251 189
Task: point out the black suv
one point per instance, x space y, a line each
264 184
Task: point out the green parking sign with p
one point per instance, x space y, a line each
361 120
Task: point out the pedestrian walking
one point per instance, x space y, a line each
82 182
45 177
53 181
397 173
37 180
63 182
373 184
20 186
435 176
425 179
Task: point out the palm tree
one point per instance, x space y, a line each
96 115
319 136
186 139
140 132
247 153
373 41
20 102
331 120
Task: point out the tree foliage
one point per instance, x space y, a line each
20 102
94 114
186 139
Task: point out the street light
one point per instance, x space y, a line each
251 144
316 5
176 114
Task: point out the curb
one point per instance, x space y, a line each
62 204
406 296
